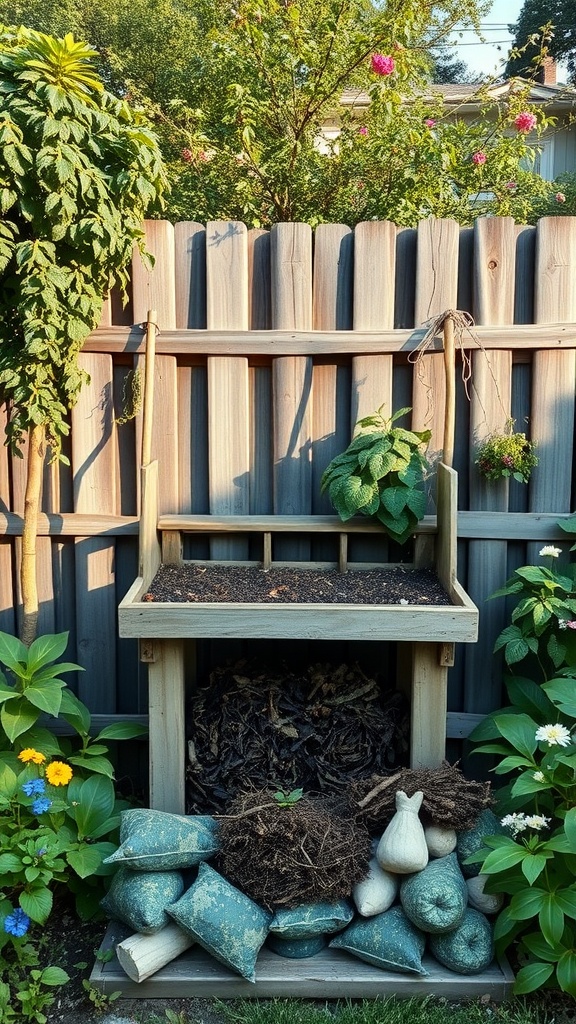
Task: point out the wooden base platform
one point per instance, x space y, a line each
331 974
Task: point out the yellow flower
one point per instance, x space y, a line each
58 773
29 754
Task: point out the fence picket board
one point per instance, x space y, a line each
95 490
490 409
553 373
228 391
331 310
374 296
291 268
260 377
155 287
436 292
190 274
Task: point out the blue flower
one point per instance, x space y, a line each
35 787
41 851
41 805
17 923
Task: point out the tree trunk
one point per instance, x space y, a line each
28 583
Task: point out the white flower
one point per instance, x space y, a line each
515 822
537 821
404 601
555 735
539 777
550 550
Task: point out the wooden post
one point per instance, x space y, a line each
148 404
450 409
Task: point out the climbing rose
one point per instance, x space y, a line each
382 65
511 184
525 122
430 122
186 154
479 158
560 197
363 131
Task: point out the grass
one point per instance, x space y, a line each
383 1011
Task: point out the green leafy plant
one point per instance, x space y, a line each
381 474
544 618
535 865
507 455
59 813
288 799
78 171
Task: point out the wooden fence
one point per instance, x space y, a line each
271 346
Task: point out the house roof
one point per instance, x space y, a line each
558 98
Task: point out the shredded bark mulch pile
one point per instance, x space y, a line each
285 856
279 727
450 799
189 582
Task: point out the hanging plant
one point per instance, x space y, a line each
381 474
507 455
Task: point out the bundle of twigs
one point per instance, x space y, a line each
284 855
450 799
316 730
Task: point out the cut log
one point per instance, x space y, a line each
140 956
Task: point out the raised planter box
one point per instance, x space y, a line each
331 974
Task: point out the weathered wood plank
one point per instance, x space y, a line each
259 285
95 491
332 310
490 411
167 729
553 373
190 275
436 292
7 595
291 266
228 388
288 342
192 439
154 287
331 974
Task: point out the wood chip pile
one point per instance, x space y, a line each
254 727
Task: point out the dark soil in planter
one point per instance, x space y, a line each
189 582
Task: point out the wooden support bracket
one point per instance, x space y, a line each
446 655
147 652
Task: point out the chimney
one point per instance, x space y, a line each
547 72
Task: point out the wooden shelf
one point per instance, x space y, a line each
331 974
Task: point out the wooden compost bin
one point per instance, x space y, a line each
428 635
428 632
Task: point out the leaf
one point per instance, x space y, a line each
13 653
566 972
47 698
75 713
551 919
17 717
533 574
533 866
95 802
46 649
527 784
562 693
37 903
531 977
503 858
10 863
509 764
528 903
8 781
394 500
519 731
54 976
527 696
538 946
570 827
122 731
98 764
85 861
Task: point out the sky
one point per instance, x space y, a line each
489 57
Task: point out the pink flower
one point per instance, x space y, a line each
571 625
479 158
430 122
363 131
186 154
382 65
560 197
508 461
511 184
525 122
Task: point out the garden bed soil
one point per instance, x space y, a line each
189 582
